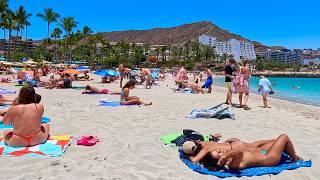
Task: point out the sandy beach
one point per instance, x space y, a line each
129 146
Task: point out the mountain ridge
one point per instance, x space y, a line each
177 35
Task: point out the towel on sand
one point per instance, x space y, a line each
55 146
3 106
7 91
111 103
7 126
220 111
170 138
285 164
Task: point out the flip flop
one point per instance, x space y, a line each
87 141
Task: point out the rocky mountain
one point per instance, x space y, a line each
176 35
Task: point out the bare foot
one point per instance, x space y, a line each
148 104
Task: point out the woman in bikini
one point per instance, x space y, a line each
26 119
238 159
239 155
125 99
94 90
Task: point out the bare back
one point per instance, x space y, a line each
26 118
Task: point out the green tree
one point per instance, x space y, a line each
49 16
68 24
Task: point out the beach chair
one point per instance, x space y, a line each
218 112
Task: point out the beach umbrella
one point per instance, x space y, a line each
71 71
83 68
106 72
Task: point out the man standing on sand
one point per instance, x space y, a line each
265 88
228 73
122 72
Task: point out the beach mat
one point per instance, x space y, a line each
55 146
78 87
108 103
167 139
7 91
285 164
5 126
4 106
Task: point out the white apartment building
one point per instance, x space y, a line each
238 49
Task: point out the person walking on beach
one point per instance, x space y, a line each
265 88
242 81
122 72
228 73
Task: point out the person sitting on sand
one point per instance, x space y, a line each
67 82
26 119
125 99
209 81
268 153
265 88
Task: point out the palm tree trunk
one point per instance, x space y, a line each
9 54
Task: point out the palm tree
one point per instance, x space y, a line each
3 6
86 31
56 34
68 24
49 16
9 22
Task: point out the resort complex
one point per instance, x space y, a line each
81 97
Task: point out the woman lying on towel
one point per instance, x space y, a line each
241 157
94 90
125 99
26 119
195 88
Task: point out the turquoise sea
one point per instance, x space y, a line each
306 90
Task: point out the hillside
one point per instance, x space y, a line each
176 35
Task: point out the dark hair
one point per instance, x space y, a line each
88 87
67 75
27 95
129 84
232 61
208 161
37 98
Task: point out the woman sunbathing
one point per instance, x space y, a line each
125 99
26 119
94 90
260 153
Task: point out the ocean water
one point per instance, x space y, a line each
306 90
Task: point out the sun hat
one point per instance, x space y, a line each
189 147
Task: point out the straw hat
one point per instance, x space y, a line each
189 147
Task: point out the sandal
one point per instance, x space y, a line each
87 140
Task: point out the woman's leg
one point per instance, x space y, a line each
263 143
280 145
240 99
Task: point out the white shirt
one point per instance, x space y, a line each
265 83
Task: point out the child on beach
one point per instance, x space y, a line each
26 118
125 99
265 88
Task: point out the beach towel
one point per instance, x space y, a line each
285 164
78 87
185 90
3 106
177 139
7 91
219 112
7 126
113 104
55 146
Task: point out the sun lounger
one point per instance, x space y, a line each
219 112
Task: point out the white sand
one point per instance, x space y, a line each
130 147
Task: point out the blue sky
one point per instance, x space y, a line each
290 23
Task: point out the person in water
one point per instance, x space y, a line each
237 158
209 81
125 99
26 119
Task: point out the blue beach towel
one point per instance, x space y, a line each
5 126
3 106
112 104
285 164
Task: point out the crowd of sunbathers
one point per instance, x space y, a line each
235 154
